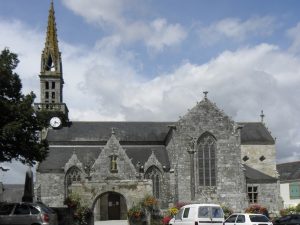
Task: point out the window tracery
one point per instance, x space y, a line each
154 174
207 160
72 175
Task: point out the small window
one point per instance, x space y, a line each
47 85
186 213
252 193
53 94
231 219
22 209
53 85
46 95
294 190
240 219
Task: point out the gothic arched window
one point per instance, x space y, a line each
154 174
73 175
207 160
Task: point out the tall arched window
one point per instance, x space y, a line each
207 160
73 175
154 174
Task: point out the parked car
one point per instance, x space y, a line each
26 214
293 219
202 214
247 219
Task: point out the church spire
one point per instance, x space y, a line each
51 59
51 75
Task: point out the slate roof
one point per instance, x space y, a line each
59 156
255 133
83 132
255 176
289 171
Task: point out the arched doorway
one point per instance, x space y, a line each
110 206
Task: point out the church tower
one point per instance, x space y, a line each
51 75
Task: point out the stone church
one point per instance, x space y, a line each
204 157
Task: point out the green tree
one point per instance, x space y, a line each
19 125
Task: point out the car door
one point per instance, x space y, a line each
231 220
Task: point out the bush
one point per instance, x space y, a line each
136 213
256 208
80 213
227 210
290 210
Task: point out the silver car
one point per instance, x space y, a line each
26 214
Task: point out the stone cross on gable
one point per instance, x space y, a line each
262 115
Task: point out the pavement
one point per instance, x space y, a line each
112 222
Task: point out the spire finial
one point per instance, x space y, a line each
51 55
112 130
262 115
205 94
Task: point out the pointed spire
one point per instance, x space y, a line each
51 54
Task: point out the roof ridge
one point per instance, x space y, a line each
298 161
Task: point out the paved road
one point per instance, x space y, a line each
112 222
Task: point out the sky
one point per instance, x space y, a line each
151 60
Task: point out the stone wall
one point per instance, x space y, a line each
231 187
132 190
255 152
51 187
269 196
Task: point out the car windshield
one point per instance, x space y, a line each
258 218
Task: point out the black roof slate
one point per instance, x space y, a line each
255 133
289 171
151 132
255 176
59 156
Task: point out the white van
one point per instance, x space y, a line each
199 214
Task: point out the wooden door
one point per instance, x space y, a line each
114 206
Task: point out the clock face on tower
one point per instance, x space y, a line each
55 122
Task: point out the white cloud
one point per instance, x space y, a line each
294 34
236 30
157 34
104 84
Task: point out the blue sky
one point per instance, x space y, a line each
151 60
